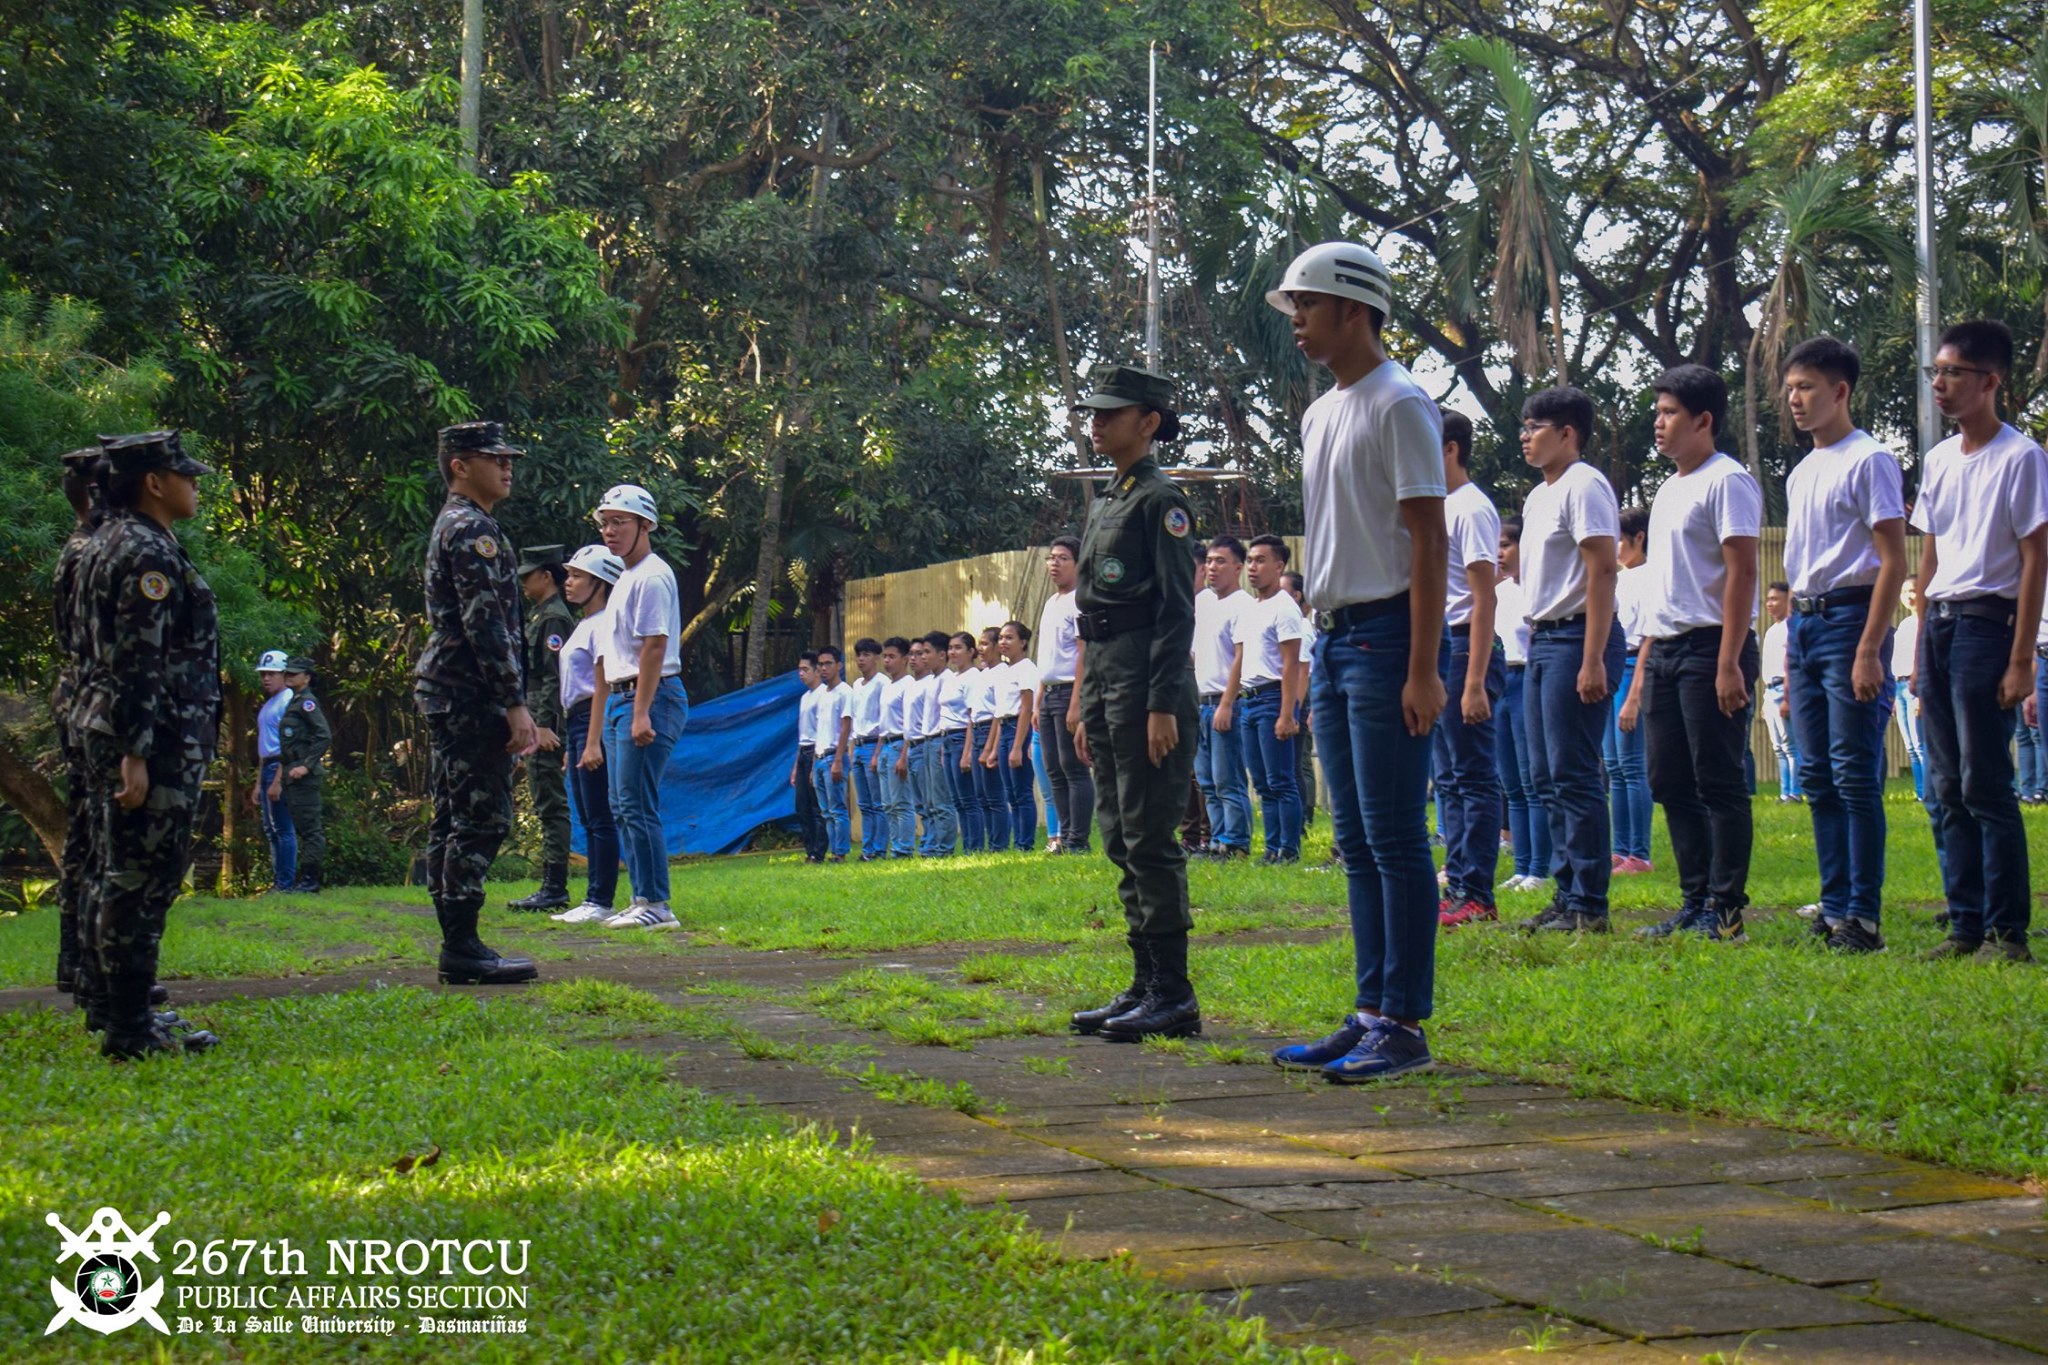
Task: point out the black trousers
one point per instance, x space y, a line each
807 813
1073 785
1695 758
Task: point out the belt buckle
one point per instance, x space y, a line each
1326 620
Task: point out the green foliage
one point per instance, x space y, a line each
371 839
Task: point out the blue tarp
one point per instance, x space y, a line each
730 773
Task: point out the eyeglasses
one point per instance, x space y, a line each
1531 428
1950 371
617 523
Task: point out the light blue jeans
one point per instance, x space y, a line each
935 786
896 801
636 783
832 805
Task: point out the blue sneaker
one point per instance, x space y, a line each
1386 1050
1319 1054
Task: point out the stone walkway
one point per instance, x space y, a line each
1451 1219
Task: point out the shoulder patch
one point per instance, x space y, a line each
155 586
1178 522
555 643
309 705
487 546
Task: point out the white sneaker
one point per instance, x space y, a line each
643 917
590 912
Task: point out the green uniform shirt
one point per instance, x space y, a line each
547 630
1138 552
303 735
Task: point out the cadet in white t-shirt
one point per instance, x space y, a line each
1569 526
1060 652
802 773
1696 671
1008 755
1475 674
1906 706
1265 678
1773 661
1219 755
867 735
1628 778
1374 541
1983 507
1295 586
888 765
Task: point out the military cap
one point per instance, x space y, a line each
1129 386
299 663
149 452
537 557
476 438
81 461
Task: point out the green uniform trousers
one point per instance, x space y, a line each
1138 806
307 801
545 776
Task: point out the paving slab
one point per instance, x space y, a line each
1478 1334
1327 1304
1154 1220
1902 1186
1901 1343
1244 1267
992 1189
987 1152
1657 1314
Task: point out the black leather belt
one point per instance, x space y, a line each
1840 597
1110 622
620 689
922 739
1211 698
1516 668
1357 613
955 730
2000 609
1247 693
1558 622
890 739
1066 683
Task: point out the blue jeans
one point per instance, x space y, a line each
1840 743
592 791
1468 774
1528 828
994 784
941 817
899 812
867 795
967 791
2028 742
635 771
1377 777
278 829
1908 712
1784 743
1564 752
832 806
1271 761
1023 802
1969 769
1045 787
1628 774
1219 773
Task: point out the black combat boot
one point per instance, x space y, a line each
1169 1009
67 951
1091 1021
553 893
133 1031
308 883
465 961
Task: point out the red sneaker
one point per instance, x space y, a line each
1468 913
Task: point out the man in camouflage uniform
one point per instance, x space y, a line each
547 630
471 689
76 973
303 738
147 714
1135 593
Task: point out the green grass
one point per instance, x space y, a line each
664 1225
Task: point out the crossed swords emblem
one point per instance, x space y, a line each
99 1238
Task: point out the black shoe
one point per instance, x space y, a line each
465 961
552 894
1850 936
2003 950
1822 928
154 1040
1169 1009
1559 919
1669 925
1951 948
1091 1021
158 995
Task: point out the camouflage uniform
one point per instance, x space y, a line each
149 689
547 630
303 738
469 676
77 973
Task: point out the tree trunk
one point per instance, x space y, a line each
237 706
1055 317
1751 454
768 563
33 798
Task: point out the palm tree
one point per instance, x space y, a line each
1517 212
2015 172
1825 236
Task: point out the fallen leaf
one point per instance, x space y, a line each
408 1163
828 1220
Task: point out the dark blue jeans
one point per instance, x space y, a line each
1696 765
1468 775
994 786
966 795
867 794
1219 772
1628 774
1968 736
1021 789
1528 826
591 791
278 829
1377 776
1840 744
1564 753
1271 762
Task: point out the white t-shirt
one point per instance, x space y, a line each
1216 621
1059 638
867 707
577 663
1690 517
953 698
1772 653
1556 519
1978 507
1832 499
807 714
835 706
981 694
1905 643
1511 620
1011 681
925 703
1473 523
643 603
1629 588
1364 449
1267 624
895 698
1308 645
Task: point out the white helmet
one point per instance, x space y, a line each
598 562
1345 269
273 661
631 498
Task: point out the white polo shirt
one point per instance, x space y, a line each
643 604
807 715
1215 645
835 706
1058 638
1906 643
867 707
1690 517
1832 499
1011 682
1557 518
1978 507
577 663
925 706
1265 625
1363 449
895 697
1511 620
1473 524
